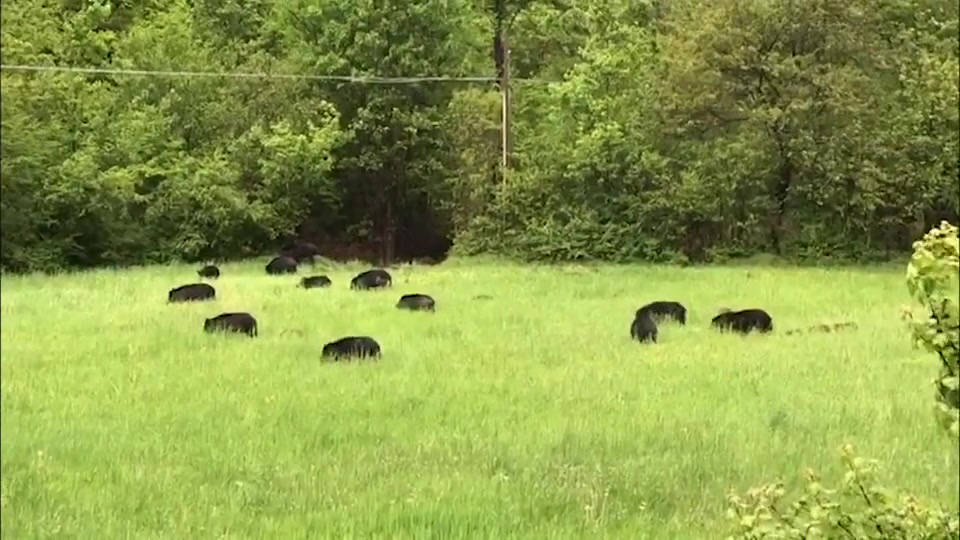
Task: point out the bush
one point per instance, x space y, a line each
933 279
859 509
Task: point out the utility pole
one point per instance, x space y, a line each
501 58
506 92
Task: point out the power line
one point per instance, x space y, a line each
234 75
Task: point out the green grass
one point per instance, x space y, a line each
532 415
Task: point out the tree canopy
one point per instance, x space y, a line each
684 131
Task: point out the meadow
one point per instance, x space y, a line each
529 415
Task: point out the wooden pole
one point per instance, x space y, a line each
506 141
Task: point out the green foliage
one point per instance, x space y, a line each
667 131
933 279
587 185
133 170
695 131
858 509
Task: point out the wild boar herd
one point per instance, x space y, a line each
644 327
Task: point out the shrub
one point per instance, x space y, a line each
933 279
858 509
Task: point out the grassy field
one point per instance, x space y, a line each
531 415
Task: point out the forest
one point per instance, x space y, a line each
681 131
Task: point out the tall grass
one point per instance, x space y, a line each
531 415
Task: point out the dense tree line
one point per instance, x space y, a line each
642 129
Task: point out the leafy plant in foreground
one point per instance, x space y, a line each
933 278
860 508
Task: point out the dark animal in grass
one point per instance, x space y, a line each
666 310
209 271
372 279
314 282
301 251
743 321
643 328
193 292
352 347
417 302
282 265
242 323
